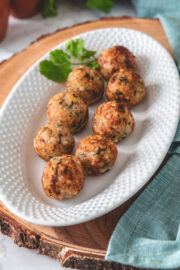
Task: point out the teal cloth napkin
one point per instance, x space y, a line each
148 234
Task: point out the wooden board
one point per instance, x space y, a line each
80 246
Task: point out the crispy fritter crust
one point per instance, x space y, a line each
97 154
113 121
126 87
86 83
112 59
63 177
68 109
53 140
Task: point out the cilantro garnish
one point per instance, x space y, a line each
58 67
56 73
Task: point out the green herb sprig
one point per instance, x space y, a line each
61 61
102 5
49 9
49 6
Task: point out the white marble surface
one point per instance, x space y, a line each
20 33
16 258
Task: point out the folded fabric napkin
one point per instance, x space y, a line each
148 234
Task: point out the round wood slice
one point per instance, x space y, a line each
80 246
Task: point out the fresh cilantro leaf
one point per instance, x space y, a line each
59 57
57 73
93 65
59 66
86 54
102 5
49 9
75 47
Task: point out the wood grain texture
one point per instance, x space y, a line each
80 246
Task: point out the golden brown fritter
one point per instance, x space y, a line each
112 59
113 121
126 87
86 83
53 140
63 177
97 154
68 109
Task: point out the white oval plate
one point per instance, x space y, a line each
139 155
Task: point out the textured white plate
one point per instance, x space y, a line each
138 156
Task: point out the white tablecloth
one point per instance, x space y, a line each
19 35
